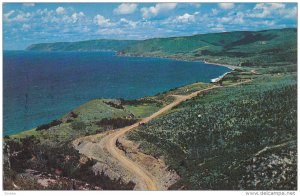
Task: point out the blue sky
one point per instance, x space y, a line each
25 24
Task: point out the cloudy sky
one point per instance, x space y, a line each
24 24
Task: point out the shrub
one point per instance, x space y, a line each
116 122
78 125
49 125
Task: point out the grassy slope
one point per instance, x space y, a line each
84 124
211 140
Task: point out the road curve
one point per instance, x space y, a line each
147 181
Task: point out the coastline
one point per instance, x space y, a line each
214 80
232 67
24 134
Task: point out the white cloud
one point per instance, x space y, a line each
216 27
60 10
102 21
75 16
85 29
26 27
59 15
222 29
125 8
28 4
21 17
269 23
8 14
289 13
42 12
148 12
226 6
110 31
185 18
277 5
129 22
214 11
225 19
262 10
238 18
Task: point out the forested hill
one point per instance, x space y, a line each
242 42
90 45
248 48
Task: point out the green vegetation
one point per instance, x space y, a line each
83 120
240 48
24 134
49 125
115 123
90 45
210 139
142 111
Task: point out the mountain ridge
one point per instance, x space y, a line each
239 48
38 45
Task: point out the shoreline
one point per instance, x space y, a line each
232 67
214 80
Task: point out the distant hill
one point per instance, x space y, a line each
243 42
90 45
246 48
239 47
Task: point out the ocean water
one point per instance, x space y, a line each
39 87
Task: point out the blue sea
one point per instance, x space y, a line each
39 87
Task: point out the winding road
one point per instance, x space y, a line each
148 182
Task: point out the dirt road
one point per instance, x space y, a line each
146 180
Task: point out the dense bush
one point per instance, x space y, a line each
136 101
49 125
78 125
112 104
115 123
73 115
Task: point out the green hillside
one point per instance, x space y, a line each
215 43
246 48
234 138
90 45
